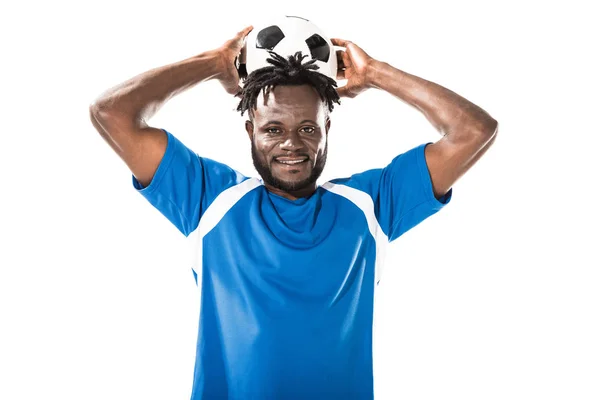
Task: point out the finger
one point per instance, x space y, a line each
341 72
339 42
242 57
240 37
344 58
244 32
340 58
342 91
341 67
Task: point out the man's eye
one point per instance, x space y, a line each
307 129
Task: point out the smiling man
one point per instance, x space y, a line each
289 140
287 268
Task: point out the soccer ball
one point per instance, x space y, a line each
286 36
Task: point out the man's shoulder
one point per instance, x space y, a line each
365 181
405 163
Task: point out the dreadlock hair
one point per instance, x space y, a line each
286 73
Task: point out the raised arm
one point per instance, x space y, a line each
467 130
120 114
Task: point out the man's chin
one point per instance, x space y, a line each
290 185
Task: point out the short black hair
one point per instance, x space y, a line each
286 72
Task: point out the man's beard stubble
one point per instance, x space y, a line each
264 171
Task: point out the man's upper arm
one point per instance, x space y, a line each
185 184
141 147
173 178
450 158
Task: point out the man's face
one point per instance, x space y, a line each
289 139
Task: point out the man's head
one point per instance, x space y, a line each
288 106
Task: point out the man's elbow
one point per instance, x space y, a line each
485 131
492 127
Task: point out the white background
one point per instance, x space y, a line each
495 297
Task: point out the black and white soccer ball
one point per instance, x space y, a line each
285 36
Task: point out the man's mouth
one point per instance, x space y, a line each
291 160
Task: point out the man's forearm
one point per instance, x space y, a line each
448 112
140 97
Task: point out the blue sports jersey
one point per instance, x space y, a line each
287 286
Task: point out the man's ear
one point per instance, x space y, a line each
250 129
327 125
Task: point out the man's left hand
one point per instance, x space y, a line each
354 65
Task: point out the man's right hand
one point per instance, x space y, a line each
228 52
120 113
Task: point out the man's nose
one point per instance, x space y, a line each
291 141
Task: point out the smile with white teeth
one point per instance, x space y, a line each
291 162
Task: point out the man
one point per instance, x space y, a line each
287 268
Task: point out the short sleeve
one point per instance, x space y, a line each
405 193
402 192
185 184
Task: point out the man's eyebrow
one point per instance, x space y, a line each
281 123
